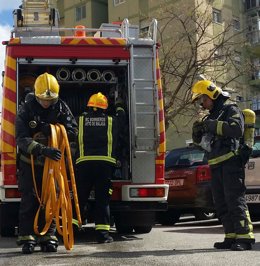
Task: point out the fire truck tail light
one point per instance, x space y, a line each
12 193
147 192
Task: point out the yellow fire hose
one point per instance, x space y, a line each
55 195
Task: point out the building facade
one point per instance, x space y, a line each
231 67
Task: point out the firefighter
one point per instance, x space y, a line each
33 120
220 134
96 159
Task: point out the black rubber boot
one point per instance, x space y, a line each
241 246
226 244
103 237
28 248
49 246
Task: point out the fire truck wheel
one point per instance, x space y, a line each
143 229
169 217
123 229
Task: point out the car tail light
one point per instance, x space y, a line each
12 193
203 173
147 192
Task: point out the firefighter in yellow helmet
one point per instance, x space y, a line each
96 159
41 108
220 134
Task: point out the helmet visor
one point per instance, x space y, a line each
47 95
46 102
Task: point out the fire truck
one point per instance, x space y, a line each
112 59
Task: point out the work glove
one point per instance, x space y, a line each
198 130
210 125
245 152
52 153
199 127
45 128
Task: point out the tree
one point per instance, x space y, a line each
191 45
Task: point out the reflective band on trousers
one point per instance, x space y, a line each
246 236
105 227
230 235
221 158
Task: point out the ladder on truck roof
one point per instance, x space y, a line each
145 129
35 13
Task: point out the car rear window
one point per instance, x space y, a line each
181 158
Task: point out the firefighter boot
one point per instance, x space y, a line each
49 244
28 243
103 237
28 247
240 246
226 244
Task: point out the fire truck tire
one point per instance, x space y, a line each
140 221
124 229
169 217
8 219
143 229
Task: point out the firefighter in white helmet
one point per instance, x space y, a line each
220 133
41 108
96 159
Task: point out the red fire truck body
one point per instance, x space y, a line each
117 62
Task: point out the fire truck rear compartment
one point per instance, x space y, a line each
77 84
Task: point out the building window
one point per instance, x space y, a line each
217 16
251 4
236 24
118 2
80 12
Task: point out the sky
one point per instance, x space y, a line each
6 25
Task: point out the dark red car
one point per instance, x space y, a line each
188 175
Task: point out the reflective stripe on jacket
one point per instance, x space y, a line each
97 138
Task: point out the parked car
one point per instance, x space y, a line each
252 181
188 175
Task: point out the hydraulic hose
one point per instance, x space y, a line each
55 196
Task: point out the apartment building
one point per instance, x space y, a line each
90 13
252 20
234 16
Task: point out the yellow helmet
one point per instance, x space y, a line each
206 87
46 87
98 100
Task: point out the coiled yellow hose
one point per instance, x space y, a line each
55 195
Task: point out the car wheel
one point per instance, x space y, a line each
168 217
204 215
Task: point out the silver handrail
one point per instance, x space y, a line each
152 32
50 29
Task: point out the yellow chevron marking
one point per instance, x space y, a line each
11 62
15 41
91 41
107 41
8 127
5 147
9 105
8 162
10 84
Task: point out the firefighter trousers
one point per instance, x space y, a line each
29 202
228 188
96 175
